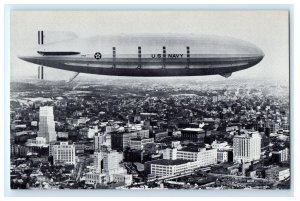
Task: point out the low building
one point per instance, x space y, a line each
280 156
79 147
122 178
222 156
95 178
277 173
88 132
138 143
103 178
219 145
63 135
164 167
38 146
38 141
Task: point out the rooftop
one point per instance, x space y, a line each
192 149
193 129
276 168
169 162
140 139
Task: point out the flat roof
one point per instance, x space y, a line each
140 139
191 149
193 129
169 162
278 168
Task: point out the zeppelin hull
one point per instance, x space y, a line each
147 55
150 67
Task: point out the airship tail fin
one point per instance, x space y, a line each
226 75
41 42
49 37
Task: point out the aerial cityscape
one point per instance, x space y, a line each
150 134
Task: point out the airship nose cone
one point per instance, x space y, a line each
258 52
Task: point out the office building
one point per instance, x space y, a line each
219 145
101 139
246 147
108 161
63 153
119 141
98 161
222 156
46 124
193 134
277 173
107 168
280 156
112 162
203 155
164 167
138 143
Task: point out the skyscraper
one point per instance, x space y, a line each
111 162
246 147
46 124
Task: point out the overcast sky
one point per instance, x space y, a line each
266 29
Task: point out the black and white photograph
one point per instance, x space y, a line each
150 99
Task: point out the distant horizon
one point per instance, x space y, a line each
187 79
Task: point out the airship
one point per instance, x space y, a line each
144 55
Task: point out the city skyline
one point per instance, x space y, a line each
140 136
110 132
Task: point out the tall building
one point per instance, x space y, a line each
246 147
46 124
108 168
101 139
111 162
98 161
63 152
108 161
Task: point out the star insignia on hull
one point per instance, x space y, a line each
97 55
